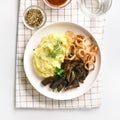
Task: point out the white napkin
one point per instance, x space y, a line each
26 95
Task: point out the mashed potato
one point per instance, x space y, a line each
50 53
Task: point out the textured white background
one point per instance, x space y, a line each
110 82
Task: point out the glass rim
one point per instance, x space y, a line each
89 14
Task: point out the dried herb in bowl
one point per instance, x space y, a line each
34 17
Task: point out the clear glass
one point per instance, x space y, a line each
56 7
94 7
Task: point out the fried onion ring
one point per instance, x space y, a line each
89 66
82 48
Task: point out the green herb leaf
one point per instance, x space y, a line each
59 71
73 73
56 50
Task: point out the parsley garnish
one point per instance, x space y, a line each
59 72
56 50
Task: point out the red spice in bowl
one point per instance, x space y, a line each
56 4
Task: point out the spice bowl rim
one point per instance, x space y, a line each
43 13
55 6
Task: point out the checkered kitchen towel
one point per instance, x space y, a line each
26 95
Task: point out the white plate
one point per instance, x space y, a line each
35 80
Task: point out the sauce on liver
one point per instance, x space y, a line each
57 2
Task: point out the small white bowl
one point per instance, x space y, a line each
43 14
56 6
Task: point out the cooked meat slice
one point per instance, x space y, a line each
56 82
47 80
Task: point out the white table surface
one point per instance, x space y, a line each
110 108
